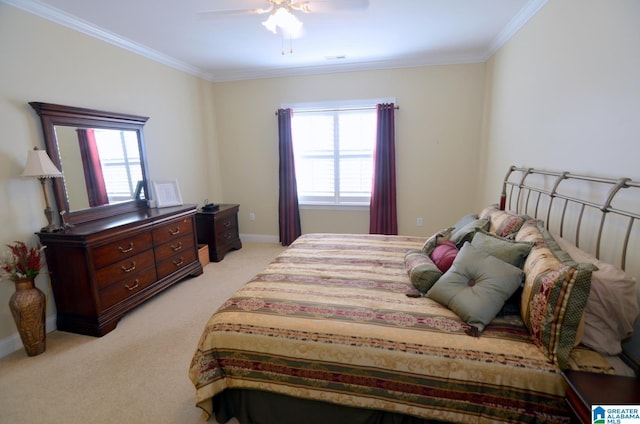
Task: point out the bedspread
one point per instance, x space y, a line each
329 320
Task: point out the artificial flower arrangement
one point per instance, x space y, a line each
21 261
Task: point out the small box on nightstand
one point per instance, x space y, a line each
203 254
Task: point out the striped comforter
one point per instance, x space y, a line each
329 320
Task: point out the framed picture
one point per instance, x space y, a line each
166 193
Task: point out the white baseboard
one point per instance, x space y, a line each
259 238
10 344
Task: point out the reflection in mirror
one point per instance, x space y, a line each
102 166
102 159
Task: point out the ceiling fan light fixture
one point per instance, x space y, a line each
285 20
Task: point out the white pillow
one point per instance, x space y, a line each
612 307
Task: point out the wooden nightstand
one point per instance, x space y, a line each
219 230
587 389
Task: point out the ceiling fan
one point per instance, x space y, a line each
281 13
305 6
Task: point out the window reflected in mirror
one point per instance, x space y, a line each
101 166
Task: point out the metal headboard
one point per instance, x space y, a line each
599 215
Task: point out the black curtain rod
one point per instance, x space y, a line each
338 109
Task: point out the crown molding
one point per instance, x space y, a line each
514 26
62 18
259 73
57 16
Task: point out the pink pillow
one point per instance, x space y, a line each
444 254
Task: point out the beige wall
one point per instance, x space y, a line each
564 92
42 61
437 143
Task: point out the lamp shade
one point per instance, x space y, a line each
39 165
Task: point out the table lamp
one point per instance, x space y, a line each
39 165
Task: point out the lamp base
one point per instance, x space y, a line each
51 228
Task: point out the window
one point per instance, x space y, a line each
334 155
120 159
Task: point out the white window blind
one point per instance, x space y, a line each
333 150
120 159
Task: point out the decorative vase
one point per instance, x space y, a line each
28 307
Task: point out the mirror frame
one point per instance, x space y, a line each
52 115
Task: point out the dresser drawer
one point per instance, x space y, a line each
226 230
121 249
121 290
174 247
173 230
226 237
227 223
125 268
176 262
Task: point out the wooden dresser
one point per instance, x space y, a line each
219 230
102 269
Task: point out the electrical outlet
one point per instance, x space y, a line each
419 222
252 216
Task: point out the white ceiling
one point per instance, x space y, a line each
386 34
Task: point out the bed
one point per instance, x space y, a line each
333 330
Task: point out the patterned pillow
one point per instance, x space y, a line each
502 223
555 293
423 273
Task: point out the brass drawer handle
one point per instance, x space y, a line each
177 247
174 232
135 286
131 268
227 224
228 236
126 249
179 262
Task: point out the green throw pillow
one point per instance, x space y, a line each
510 251
476 286
467 231
465 220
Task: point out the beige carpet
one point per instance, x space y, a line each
138 372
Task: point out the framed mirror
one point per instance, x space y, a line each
102 158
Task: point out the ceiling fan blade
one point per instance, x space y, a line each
306 6
327 6
213 8
231 12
